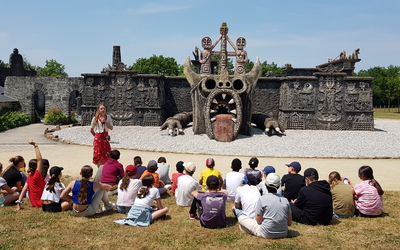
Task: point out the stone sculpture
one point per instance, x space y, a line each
221 103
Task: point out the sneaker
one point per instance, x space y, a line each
168 186
109 207
193 216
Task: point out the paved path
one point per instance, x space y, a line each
72 157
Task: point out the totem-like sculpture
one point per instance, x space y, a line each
222 103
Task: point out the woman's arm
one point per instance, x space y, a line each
109 123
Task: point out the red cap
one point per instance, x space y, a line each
131 169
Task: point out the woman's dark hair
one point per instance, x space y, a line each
50 185
32 166
147 182
45 167
86 173
14 163
161 159
368 174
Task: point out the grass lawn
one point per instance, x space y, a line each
384 113
34 229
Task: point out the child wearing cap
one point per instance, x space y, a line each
179 169
266 171
293 181
210 170
314 204
253 163
234 179
51 201
273 213
186 185
213 204
152 167
128 188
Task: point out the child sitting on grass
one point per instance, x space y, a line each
210 170
213 204
152 167
51 201
128 188
179 169
34 185
141 214
368 194
7 194
86 194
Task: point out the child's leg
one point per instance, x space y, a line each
94 206
10 198
158 213
249 225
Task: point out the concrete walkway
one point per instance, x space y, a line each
72 157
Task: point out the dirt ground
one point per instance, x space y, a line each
72 157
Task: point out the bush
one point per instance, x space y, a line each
12 119
56 116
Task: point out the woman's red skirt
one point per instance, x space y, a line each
101 148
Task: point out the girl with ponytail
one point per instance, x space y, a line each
51 201
142 214
368 194
128 188
86 195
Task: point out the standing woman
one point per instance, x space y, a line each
101 124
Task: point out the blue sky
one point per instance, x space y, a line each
81 34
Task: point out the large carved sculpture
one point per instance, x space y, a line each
221 103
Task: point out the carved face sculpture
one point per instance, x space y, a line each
222 103
206 42
241 43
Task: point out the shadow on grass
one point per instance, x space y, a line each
292 234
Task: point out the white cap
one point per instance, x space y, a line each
273 180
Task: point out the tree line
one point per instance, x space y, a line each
385 86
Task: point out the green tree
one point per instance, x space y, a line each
158 65
267 69
51 68
386 85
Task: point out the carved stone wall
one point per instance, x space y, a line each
131 99
321 100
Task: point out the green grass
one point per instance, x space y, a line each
385 113
31 228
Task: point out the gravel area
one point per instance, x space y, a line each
383 142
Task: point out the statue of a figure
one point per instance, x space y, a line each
16 64
205 55
241 56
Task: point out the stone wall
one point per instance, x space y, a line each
35 93
323 99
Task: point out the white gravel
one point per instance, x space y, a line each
383 142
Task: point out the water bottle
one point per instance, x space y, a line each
346 181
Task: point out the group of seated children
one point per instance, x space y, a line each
264 208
